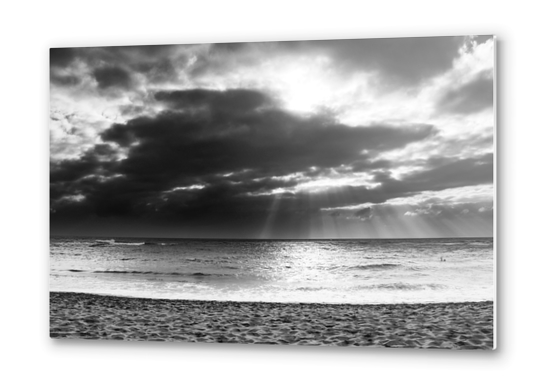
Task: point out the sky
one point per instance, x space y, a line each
375 138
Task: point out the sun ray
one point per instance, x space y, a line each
267 231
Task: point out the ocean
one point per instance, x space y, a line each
355 271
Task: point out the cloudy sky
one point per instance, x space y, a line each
313 139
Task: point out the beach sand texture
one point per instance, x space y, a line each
440 326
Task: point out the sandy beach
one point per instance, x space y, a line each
443 325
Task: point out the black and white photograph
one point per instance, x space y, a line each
316 193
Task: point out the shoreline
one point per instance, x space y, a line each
463 325
273 302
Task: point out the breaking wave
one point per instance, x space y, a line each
125 272
112 242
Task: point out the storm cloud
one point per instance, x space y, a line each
219 156
112 77
213 139
232 143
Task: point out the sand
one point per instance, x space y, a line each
442 325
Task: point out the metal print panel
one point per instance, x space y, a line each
331 193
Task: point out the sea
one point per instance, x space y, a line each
354 271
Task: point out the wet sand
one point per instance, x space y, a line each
442 325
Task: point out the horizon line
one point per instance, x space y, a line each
276 239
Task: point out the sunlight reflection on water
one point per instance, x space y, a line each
350 271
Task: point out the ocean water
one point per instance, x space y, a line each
320 271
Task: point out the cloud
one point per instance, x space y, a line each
119 66
62 57
472 97
206 136
221 132
403 61
425 217
65 80
364 213
230 101
112 77
399 61
481 39
236 144
439 174
452 173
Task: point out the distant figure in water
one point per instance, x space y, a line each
442 259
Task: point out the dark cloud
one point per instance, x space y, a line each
231 133
141 52
116 66
472 97
451 173
226 204
231 101
229 47
72 170
214 160
363 213
234 146
65 80
113 56
159 63
217 161
160 71
131 109
62 57
82 176
112 77
439 174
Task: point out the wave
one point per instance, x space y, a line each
112 242
375 266
488 243
129 272
402 286
217 263
385 286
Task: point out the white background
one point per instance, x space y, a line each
28 29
